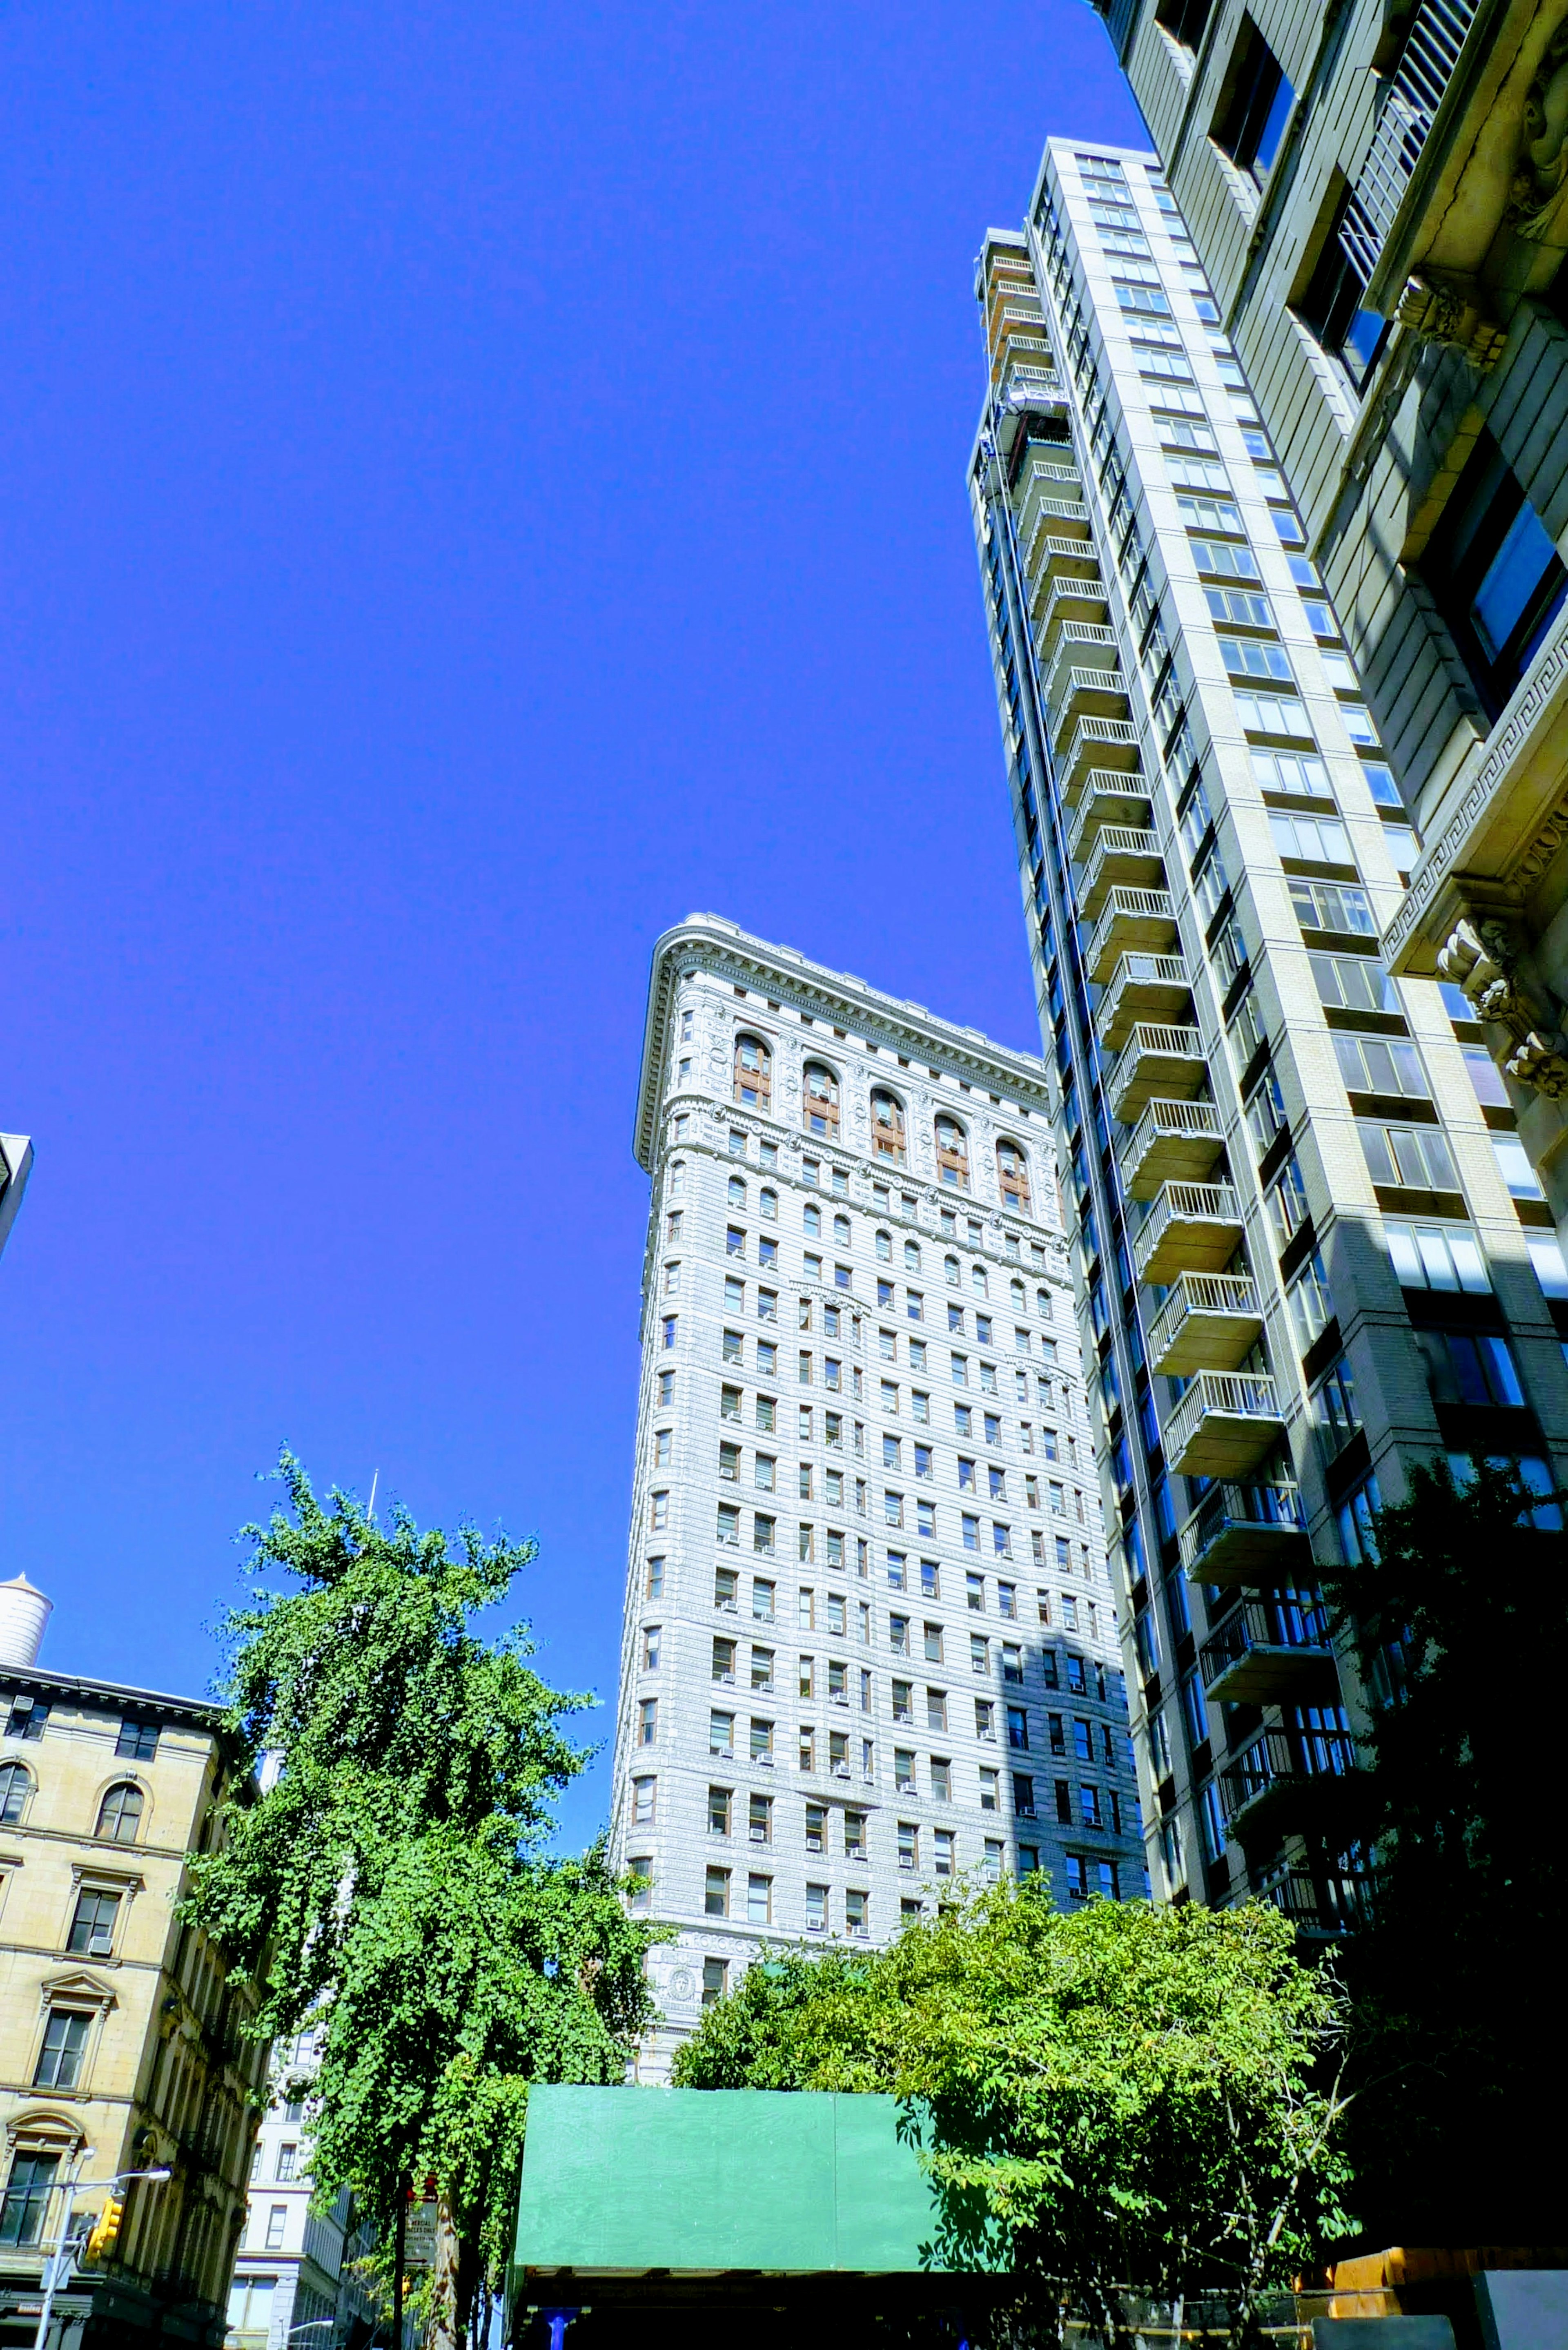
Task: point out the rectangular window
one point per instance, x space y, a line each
716 1893
715 1981
817 1908
92 1926
1436 1256
1495 574
65 2044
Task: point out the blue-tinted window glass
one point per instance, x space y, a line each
1274 128
1510 579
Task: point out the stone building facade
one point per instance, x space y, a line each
121 2046
869 1643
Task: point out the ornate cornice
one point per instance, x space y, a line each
708 943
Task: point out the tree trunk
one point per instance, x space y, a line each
452 2286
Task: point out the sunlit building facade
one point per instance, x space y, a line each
869 1642
1307 1246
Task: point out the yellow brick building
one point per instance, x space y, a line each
121 2043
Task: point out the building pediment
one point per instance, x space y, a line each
75 1987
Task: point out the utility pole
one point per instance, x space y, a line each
60 2266
399 2245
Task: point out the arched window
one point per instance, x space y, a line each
1012 1170
16 1786
887 1127
753 1073
1018 1295
911 1257
977 1281
735 1192
885 1248
821 1101
119 1814
952 1153
950 1267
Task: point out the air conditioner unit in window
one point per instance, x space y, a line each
759 1835
765 1759
841 1769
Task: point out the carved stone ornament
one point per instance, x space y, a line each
1542 165
1440 311
682 1984
1481 956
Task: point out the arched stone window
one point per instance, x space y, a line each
16 1786
119 1814
952 1153
821 1101
1012 1173
753 1073
887 1126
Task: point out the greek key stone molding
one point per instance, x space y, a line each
1482 956
1445 855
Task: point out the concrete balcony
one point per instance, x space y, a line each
1066 598
1094 744
1151 986
1321 1907
1155 1059
1086 694
1288 1781
1111 800
1173 1143
1056 517
1270 1652
1057 559
1191 1228
1121 854
1247 1534
1085 644
1132 917
1226 1422
1210 1322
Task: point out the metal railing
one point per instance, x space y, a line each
1432 48
1126 905
1122 840
1268 1506
1185 1203
1075 642
1139 967
1198 1292
1075 592
1265 1624
1157 1040
1107 805
1235 1395
1332 1903
1284 1758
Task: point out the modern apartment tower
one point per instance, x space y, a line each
1306 1250
869 1644
1379 196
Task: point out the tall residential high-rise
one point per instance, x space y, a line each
1299 1259
869 1643
1379 196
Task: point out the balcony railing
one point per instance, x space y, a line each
1270 1651
1437 33
1331 1904
1121 853
1064 599
1224 1424
1253 1533
1132 917
1173 1143
1191 1226
1288 1773
1121 800
1210 1322
1085 642
1066 516
1053 559
1156 1056
1141 983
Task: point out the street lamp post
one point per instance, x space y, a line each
60 2265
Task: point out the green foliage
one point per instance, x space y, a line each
392 1889
1120 2096
1462 1622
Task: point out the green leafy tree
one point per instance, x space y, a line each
392 1889
1120 2096
1461 1617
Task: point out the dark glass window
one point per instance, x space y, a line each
60 2057
1467 1367
137 1739
1332 307
1498 580
26 2199
1184 20
28 1716
1253 115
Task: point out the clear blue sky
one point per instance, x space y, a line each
475 485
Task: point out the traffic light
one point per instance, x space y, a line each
106 2229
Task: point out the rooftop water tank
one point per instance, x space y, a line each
23 1612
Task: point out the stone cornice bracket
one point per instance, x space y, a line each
1481 956
1448 311
1542 169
